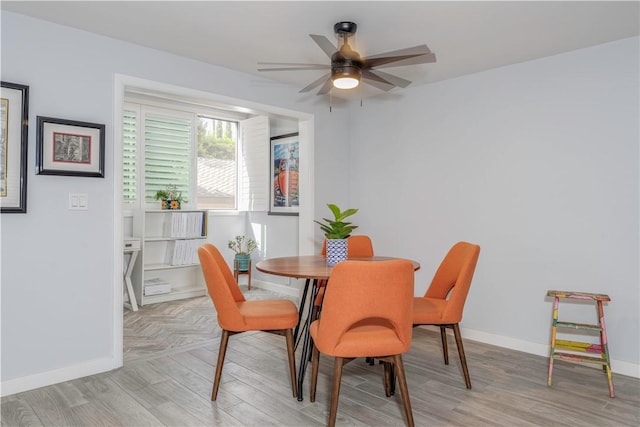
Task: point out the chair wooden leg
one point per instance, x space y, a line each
404 390
292 361
445 348
315 359
224 340
335 393
387 378
463 359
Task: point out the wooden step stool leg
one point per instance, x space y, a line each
605 348
554 329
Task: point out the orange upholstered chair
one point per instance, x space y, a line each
443 303
236 315
358 246
367 312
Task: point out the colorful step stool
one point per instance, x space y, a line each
580 347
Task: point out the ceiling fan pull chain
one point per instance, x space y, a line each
330 102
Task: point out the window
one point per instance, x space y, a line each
197 149
156 152
167 152
217 165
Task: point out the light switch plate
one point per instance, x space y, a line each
78 201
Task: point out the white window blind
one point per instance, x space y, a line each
130 116
168 151
254 164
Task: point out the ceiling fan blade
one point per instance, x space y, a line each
389 78
326 87
369 75
415 60
382 86
396 55
316 83
300 64
314 67
324 44
421 49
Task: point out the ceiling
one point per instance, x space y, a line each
466 36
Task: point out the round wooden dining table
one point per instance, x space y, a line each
312 268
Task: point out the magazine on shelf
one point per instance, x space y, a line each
156 286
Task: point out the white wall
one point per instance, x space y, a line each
537 163
57 308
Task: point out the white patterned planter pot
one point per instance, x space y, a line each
336 251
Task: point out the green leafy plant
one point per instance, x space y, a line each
337 228
239 247
170 193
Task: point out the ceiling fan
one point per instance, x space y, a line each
347 68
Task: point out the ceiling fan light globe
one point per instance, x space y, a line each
345 82
346 76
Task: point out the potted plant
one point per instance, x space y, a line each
336 231
243 251
170 197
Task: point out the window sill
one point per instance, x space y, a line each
225 213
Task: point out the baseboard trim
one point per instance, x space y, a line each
290 291
617 366
30 382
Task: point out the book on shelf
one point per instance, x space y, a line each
183 252
185 225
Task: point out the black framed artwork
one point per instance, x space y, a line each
14 136
68 147
285 167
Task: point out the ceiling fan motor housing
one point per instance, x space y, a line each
345 29
346 63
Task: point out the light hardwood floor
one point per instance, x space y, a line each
171 348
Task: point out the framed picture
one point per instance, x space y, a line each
14 131
285 164
66 147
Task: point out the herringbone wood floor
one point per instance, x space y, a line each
170 353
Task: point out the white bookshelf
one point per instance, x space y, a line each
169 262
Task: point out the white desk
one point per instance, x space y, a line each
131 248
